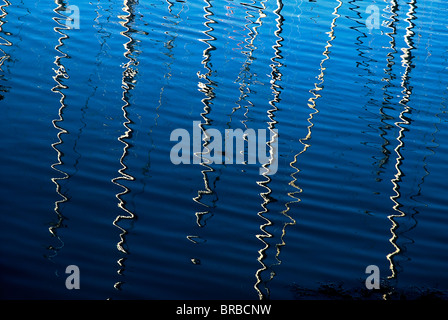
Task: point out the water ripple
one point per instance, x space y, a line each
360 116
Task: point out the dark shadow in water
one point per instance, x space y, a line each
60 75
339 291
362 48
403 125
276 78
128 83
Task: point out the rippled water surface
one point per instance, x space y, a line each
91 92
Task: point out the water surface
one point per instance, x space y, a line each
360 111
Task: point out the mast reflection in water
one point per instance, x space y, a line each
128 83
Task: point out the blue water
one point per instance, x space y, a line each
357 94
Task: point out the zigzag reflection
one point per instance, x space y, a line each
128 83
60 75
294 194
405 121
207 88
4 42
276 77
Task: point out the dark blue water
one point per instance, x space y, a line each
357 94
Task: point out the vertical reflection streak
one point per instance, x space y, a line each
389 77
290 220
405 121
128 83
276 76
60 75
207 88
318 86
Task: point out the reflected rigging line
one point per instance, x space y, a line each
276 76
406 61
60 75
294 194
289 218
128 83
207 88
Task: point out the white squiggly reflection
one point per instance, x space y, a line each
206 86
276 78
60 75
403 126
128 83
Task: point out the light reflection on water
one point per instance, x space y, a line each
360 116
